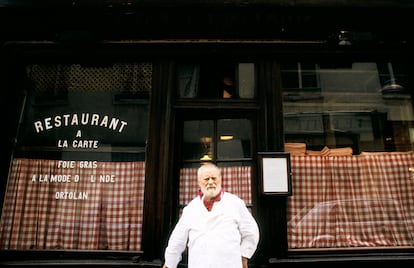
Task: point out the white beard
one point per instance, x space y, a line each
211 192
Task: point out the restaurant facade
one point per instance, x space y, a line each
109 107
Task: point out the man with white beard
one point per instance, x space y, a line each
216 226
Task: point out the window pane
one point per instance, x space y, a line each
233 139
198 140
217 79
77 177
347 127
246 79
187 80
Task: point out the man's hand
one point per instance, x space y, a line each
244 262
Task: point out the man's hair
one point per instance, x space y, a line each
208 166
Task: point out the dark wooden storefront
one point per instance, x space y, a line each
104 30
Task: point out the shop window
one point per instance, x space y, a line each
216 79
76 180
347 128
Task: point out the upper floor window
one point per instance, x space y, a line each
216 79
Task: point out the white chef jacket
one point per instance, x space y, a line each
215 239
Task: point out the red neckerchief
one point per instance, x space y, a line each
209 203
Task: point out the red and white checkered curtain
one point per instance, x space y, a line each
85 215
351 201
236 180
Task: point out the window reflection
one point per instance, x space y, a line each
349 130
366 102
